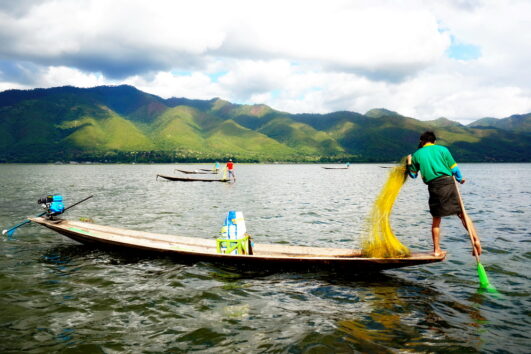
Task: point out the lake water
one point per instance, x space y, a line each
58 295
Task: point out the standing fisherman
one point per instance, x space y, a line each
230 168
437 167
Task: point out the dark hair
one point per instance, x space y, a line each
427 137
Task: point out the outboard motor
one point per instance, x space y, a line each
53 205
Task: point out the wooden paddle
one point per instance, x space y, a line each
476 247
12 230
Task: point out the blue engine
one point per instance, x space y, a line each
53 204
57 206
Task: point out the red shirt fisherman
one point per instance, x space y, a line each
230 168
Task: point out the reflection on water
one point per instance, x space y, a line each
421 327
59 295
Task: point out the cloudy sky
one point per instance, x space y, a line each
460 59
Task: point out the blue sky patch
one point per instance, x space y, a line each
463 51
181 73
275 93
215 76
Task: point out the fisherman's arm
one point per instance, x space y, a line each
447 156
457 173
410 169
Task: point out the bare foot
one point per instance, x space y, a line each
438 253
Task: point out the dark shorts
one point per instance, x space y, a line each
444 200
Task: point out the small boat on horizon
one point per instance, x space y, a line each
196 172
337 168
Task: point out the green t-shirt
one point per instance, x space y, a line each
432 161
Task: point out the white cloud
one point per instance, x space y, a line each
357 36
53 76
158 34
297 56
6 85
61 75
196 85
248 77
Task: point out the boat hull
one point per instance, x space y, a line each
265 256
196 172
183 179
211 170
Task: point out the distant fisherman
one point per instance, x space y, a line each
437 167
230 168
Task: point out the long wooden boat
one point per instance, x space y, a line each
265 256
213 170
183 179
335 168
196 172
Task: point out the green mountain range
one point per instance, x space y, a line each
124 124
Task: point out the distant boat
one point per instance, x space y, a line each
262 256
183 179
213 170
337 168
196 172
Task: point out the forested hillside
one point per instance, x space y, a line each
123 124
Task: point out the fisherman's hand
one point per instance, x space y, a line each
409 159
462 181
476 250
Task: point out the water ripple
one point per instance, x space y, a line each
58 295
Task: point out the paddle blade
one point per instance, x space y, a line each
484 280
9 232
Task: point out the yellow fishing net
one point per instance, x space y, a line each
379 241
